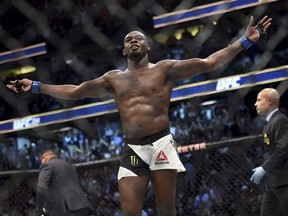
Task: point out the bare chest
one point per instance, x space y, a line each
144 84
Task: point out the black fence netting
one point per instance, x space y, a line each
217 182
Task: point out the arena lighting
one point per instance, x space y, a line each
25 70
207 103
194 30
180 93
18 71
205 11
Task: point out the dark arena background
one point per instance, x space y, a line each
213 118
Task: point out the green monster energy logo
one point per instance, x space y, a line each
134 160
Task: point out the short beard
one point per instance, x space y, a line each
136 56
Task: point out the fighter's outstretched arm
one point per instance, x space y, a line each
188 68
89 89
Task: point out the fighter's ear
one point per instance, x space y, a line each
148 47
124 52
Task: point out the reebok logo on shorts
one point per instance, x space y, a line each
161 159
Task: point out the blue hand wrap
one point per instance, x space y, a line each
246 43
35 88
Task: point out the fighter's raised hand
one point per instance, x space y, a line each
259 32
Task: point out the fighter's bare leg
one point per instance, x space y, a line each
132 192
164 185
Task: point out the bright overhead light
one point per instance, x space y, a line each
25 70
17 71
207 103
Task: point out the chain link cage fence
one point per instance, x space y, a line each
84 40
217 182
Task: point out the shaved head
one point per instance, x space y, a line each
135 33
271 94
267 101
